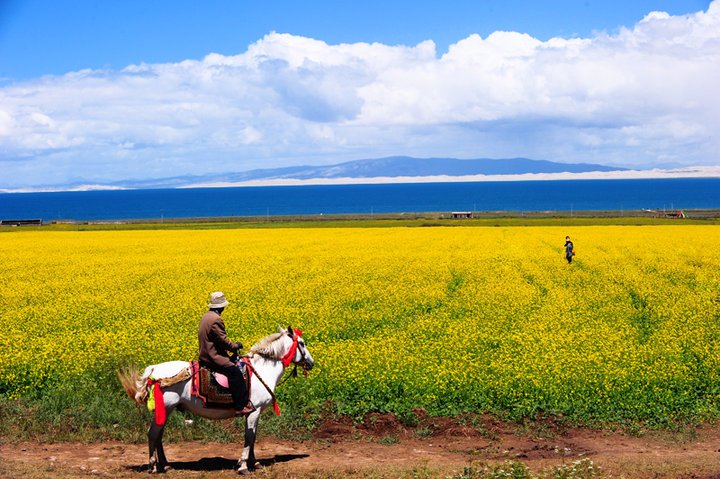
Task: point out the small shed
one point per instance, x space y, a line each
462 214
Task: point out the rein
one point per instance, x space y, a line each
272 393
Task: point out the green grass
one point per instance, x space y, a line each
390 220
582 469
98 409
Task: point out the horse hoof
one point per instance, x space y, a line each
259 466
243 471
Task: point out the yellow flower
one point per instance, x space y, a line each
457 318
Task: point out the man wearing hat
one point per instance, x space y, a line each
214 345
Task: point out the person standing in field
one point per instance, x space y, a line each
569 253
214 346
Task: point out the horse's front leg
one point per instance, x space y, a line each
248 454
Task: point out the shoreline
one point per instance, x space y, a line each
706 172
438 218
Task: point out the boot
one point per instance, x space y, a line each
246 410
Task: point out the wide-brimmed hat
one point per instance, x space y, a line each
217 300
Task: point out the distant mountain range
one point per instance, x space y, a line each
390 167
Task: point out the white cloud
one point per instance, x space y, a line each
644 95
7 123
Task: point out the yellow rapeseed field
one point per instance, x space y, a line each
449 319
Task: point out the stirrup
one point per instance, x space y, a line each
246 410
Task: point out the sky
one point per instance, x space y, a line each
96 91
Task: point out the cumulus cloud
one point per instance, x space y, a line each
641 97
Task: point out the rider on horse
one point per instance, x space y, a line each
213 346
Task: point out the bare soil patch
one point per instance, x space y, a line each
382 447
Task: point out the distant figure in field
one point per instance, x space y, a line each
569 253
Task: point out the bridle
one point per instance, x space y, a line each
290 355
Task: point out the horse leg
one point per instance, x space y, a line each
155 447
248 454
163 463
252 425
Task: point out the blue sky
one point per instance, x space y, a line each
98 91
39 37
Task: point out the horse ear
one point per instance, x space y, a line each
280 329
290 331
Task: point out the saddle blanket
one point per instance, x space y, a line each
209 390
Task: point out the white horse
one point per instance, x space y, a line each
266 358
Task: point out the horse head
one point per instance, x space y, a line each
297 352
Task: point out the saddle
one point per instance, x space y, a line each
213 388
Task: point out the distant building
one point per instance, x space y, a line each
462 214
20 222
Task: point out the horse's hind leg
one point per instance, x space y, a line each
163 463
157 456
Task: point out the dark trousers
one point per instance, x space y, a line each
236 381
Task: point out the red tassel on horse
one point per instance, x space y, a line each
159 405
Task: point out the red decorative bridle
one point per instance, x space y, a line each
290 355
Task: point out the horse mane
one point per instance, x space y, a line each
269 347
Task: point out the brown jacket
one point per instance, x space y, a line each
214 342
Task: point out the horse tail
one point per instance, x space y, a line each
135 384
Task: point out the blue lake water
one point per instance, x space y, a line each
561 195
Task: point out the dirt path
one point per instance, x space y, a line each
339 450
